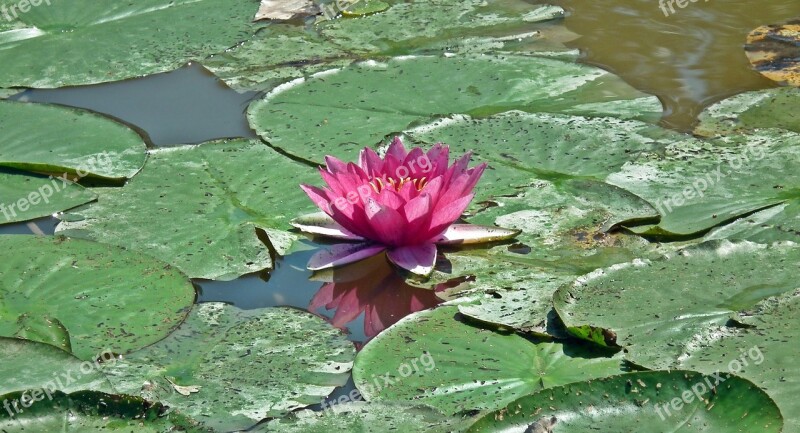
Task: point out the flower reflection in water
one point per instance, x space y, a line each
372 287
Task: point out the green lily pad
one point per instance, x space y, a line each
697 185
365 7
431 358
199 208
44 329
89 412
773 108
760 351
25 197
277 53
52 139
366 418
229 368
522 147
777 223
409 26
124 40
317 116
638 402
673 314
31 365
107 298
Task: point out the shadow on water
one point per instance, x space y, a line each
689 58
186 106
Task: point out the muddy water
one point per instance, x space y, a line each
689 58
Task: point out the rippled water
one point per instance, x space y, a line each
689 59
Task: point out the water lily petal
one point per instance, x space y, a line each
397 150
419 259
418 209
319 196
466 234
387 223
322 224
342 254
335 165
370 161
445 215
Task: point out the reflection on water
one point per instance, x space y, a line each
373 288
362 299
690 59
186 106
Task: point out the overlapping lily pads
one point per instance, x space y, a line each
697 185
673 314
42 47
31 365
340 111
432 358
88 411
366 418
760 351
51 139
409 26
199 208
229 368
107 298
25 197
640 402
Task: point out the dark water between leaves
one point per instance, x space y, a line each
689 59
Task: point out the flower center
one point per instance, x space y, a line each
378 184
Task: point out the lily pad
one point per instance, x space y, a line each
697 185
25 197
312 117
431 358
87 411
760 351
31 365
774 51
229 368
278 52
126 40
774 108
52 139
673 316
777 223
366 418
641 402
199 208
108 299
409 26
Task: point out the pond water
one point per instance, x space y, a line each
690 58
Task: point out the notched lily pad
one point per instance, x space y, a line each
641 402
57 140
25 197
432 358
123 40
199 208
108 299
229 368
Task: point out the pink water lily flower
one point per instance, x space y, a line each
405 203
